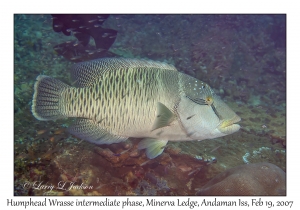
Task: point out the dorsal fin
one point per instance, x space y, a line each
85 74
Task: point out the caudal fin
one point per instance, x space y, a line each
46 98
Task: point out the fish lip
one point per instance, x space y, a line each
229 126
228 123
236 119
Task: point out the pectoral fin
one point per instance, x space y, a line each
154 147
164 117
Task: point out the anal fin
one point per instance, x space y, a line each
164 116
154 147
90 131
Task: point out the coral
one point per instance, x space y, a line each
173 150
54 193
76 192
249 179
266 154
130 177
152 185
213 53
144 188
87 176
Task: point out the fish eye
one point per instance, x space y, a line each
209 100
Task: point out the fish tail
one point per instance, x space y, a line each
46 100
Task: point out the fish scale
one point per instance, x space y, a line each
107 90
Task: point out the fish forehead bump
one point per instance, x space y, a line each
194 87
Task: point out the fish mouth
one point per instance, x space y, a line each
229 126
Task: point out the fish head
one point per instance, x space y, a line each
228 118
203 114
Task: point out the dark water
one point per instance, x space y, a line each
242 57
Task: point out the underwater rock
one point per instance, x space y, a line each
165 159
87 175
127 145
76 192
130 177
249 179
108 155
241 94
278 137
144 188
54 193
173 150
135 153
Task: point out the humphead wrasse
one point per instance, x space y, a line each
118 98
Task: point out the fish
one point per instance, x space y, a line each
74 51
90 21
118 98
75 58
70 29
105 35
83 27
